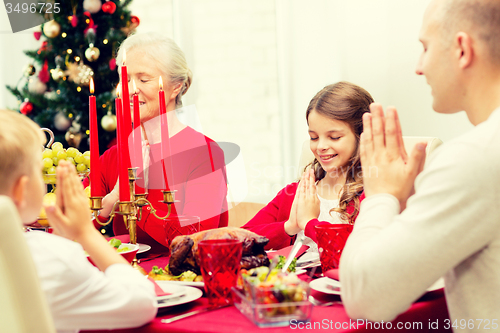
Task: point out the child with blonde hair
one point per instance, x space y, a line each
79 295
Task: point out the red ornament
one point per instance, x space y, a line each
26 107
109 7
112 64
43 75
43 47
74 21
134 22
37 35
90 24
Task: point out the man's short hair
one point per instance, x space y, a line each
20 138
479 18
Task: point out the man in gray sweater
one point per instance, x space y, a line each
451 225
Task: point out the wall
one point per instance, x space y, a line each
258 63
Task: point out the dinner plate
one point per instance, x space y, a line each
331 286
326 285
174 291
200 285
190 294
143 248
308 259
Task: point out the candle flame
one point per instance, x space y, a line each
124 57
135 87
91 86
161 83
118 88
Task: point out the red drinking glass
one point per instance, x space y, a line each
220 264
331 242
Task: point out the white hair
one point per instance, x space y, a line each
167 56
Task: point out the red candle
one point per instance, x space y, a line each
122 150
126 99
165 140
95 169
137 138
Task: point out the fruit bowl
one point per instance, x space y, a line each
127 250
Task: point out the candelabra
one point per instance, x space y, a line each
131 210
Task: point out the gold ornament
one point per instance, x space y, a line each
79 73
51 29
30 70
108 122
92 53
73 137
57 74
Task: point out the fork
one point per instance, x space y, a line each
317 302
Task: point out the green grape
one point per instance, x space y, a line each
51 170
57 147
47 163
81 167
86 160
79 158
55 160
87 153
47 153
71 160
72 152
62 155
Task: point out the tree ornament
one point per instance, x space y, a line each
51 29
73 138
134 22
30 70
35 86
57 73
112 64
43 47
109 7
92 53
79 73
26 107
43 75
37 33
92 6
90 25
74 21
61 122
50 95
108 122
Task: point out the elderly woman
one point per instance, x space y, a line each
195 167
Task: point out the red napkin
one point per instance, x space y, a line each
333 274
286 251
158 290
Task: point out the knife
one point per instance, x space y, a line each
192 313
293 253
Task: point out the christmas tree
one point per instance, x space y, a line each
79 43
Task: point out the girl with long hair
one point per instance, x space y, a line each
331 188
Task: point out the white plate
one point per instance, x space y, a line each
186 283
174 291
322 284
308 259
143 248
191 294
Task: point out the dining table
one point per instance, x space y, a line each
428 314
